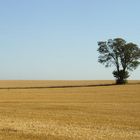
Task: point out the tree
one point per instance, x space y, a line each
124 56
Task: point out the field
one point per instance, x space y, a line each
55 110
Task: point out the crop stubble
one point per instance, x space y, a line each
88 113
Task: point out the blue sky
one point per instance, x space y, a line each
57 39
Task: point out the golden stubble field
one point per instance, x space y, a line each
79 113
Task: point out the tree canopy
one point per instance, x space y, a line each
124 56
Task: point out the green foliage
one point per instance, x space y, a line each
121 76
117 52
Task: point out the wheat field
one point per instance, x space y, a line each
28 112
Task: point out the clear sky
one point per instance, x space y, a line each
57 39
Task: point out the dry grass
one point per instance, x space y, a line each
88 113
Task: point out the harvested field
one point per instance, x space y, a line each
81 113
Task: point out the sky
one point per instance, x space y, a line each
57 39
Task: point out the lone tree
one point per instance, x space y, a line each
124 56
